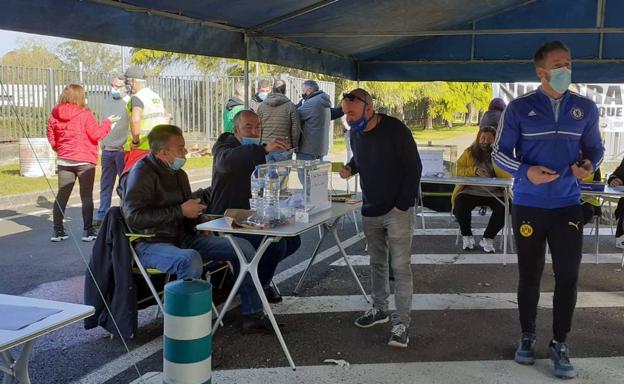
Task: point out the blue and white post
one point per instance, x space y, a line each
187 348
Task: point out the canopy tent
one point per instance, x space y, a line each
395 40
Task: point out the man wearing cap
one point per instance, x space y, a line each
113 144
146 110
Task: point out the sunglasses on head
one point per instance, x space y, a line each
351 97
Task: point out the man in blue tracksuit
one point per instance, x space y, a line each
540 136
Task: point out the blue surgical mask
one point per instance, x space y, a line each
560 79
263 95
360 124
115 93
178 163
250 140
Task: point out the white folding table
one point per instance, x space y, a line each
16 369
486 183
327 219
607 192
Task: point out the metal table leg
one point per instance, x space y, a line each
597 235
16 371
334 230
252 268
314 254
506 231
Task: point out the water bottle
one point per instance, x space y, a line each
256 191
271 195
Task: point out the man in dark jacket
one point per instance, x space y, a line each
617 180
158 201
235 158
315 114
264 87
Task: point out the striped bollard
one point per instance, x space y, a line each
187 348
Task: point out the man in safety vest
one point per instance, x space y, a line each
146 110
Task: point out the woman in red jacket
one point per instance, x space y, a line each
74 133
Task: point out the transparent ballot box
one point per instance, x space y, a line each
289 190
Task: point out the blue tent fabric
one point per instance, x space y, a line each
395 40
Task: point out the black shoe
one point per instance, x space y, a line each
89 234
272 295
258 323
59 235
398 336
371 317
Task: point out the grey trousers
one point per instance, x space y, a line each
391 232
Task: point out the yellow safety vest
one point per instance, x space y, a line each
153 115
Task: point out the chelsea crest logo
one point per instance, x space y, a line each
577 113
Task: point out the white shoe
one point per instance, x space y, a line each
487 245
468 242
619 242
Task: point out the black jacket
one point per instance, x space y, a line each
111 264
152 201
232 166
618 173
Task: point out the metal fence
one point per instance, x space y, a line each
196 103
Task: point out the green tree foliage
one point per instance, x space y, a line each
94 56
31 53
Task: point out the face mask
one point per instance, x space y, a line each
560 79
250 140
263 95
304 96
178 163
115 93
360 124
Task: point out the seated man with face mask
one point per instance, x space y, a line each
477 161
236 156
158 201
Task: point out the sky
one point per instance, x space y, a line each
9 40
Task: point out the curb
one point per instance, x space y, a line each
33 198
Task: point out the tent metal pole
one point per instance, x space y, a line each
246 72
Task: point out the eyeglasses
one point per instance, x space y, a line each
351 97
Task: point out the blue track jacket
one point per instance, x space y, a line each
530 135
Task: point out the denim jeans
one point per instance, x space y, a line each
391 232
187 261
275 253
67 175
112 166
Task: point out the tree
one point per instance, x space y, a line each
31 53
94 56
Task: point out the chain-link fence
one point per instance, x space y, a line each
196 103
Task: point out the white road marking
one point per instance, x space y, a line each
605 370
587 230
476 258
293 305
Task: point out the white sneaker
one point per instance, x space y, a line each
468 242
619 242
487 245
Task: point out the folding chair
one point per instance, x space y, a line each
147 273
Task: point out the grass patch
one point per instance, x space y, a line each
11 183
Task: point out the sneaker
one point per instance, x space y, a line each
525 354
272 295
59 235
468 242
89 234
487 245
371 317
619 242
398 336
258 323
558 353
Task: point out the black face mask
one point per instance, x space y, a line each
304 96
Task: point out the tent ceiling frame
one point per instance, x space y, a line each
501 61
292 15
457 32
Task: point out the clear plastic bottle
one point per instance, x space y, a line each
271 195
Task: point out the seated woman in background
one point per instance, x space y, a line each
591 205
617 180
476 161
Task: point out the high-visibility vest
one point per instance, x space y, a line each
153 115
